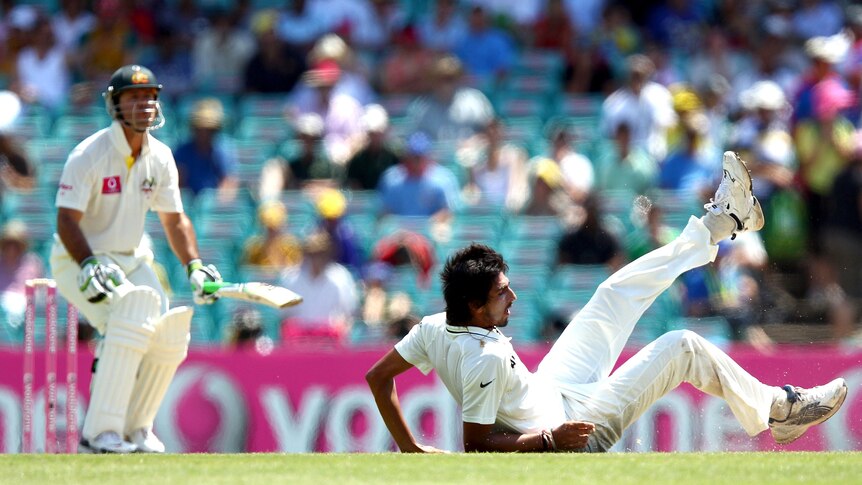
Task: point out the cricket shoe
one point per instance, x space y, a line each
734 198
807 407
146 441
106 442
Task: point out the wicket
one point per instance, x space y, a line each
50 369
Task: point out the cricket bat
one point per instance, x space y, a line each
264 293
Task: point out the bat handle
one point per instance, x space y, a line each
211 287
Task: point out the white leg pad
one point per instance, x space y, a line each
169 348
128 333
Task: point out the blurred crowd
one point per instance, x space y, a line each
570 133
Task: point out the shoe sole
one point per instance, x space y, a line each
820 420
737 170
85 449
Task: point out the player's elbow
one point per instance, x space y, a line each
374 377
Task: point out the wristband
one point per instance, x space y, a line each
88 260
193 265
545 442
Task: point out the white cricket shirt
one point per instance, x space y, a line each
483 373
114 198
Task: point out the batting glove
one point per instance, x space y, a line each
198 275
96 280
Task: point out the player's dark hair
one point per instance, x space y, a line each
467 278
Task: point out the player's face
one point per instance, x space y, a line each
139 106
497 308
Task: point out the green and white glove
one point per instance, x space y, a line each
198 275
96 280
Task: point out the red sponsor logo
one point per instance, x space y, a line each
65 187
111 185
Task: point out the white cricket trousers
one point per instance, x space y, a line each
580 362
138 271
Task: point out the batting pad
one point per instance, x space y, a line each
127 338
168 349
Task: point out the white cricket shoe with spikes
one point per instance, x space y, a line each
807 407
106 442
734 198
146 441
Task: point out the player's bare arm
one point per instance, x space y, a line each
181 235
569 436
381 380
69 230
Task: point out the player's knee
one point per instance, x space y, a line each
132 318
683 339
171 340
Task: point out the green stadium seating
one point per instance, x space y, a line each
79 127
255 105
273 129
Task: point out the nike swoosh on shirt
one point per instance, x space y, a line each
483 385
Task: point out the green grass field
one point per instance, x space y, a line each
342 469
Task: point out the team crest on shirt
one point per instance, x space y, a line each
111 185
147 185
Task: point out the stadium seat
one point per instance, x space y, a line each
256 104
578 105
548 63
79 127
578 277
515 105
273 129
396 104
35 124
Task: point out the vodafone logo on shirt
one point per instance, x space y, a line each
111 185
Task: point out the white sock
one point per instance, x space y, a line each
779 404
721 226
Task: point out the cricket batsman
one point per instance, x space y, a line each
108 184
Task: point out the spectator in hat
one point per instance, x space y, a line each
341 113
43 74
300 22
308 164
646 106
487 52
110 44
330 299
623 166
442 28
16 169
17 265
347 248
451 113
245 332
275 67
578 172
384 306
366 167
763 138
824 54
220 53
548 195
497 169
418 186
824 147
274 249
207 160
352 79
408 67
590 240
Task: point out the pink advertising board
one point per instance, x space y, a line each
301 400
